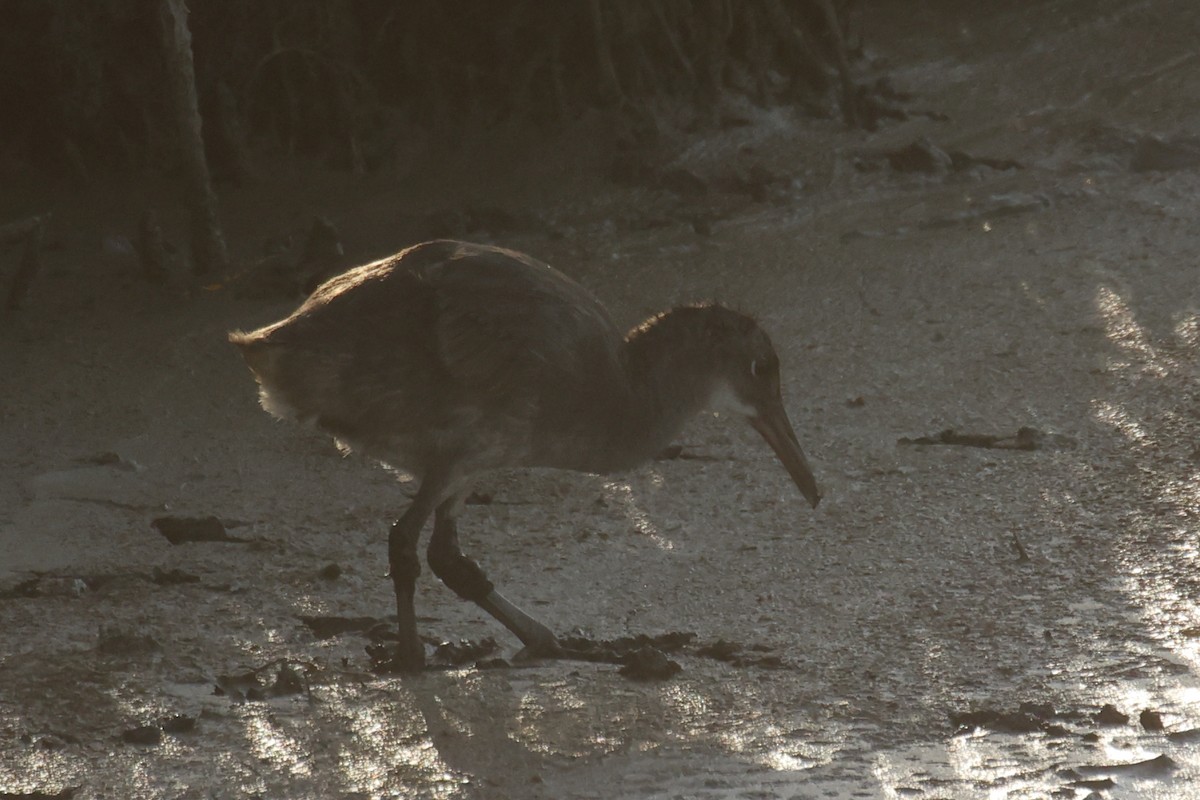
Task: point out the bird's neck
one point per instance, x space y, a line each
670 381
661 378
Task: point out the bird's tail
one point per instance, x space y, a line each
255 350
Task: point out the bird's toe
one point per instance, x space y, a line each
542 648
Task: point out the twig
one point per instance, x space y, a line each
1022 554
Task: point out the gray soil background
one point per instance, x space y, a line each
1061 296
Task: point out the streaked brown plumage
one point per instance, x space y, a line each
450 359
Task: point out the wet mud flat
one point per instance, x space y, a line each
988 320
561 729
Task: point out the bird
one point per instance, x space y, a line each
449 359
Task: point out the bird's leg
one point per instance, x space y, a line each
404 567
469 582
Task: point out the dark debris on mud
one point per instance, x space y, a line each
1111 715
58 584
1027 718
329 627
641 657
924 156
152 733
182 530
1158 767
1025 438
279 678
1031 717
65 794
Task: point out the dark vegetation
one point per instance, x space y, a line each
87 86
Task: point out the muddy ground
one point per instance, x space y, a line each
948 624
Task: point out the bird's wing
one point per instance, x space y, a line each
508 324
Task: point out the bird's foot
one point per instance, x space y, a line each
406 657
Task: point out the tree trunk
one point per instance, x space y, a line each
207 241
31 259
849 95
610 84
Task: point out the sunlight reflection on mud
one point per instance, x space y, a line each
271 744
553 719
24 770
1170 616
389 744
1123 329
1187 330
993 767
1119 419
747 727
1157 581
621 494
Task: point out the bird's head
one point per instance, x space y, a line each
745 372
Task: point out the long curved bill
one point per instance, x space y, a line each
772 424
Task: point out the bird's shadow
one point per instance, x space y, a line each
482 750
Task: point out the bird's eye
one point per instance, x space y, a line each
762 368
